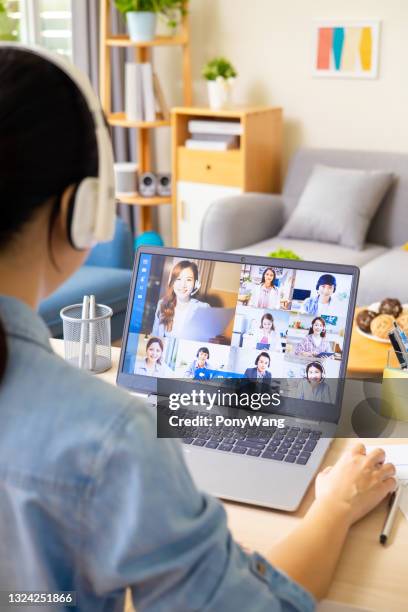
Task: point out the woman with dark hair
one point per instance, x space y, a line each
153 364
177 307
200 363
266 294
313 387
90 500
260 371
315 343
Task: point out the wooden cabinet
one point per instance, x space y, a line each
200 176
193 201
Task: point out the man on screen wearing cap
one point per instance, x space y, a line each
323 302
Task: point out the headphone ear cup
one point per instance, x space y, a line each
83 214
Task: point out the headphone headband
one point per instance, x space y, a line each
93 214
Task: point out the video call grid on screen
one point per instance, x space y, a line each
212 321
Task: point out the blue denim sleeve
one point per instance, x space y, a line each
148 528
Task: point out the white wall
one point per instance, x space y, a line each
270 43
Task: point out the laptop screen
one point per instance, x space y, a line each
205 320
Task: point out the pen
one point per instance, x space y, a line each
92 315
392 512
83 335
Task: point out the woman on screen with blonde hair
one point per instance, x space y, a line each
177 307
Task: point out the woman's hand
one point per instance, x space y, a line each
356 483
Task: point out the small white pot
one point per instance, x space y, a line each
141 25
219 93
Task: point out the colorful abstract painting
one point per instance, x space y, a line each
346 49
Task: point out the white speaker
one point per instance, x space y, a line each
164 184
147 184
125 178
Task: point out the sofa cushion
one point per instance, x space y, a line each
337 205
385 276
109 285
389 226
317 251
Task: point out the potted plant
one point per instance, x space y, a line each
7 25
220 76
284 254
141 15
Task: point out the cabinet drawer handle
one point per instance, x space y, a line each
208 167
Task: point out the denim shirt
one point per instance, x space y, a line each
91 501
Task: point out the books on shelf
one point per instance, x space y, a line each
143 94
212 142
201 126
148 94
213 135
133 92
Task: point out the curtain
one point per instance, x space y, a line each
86 39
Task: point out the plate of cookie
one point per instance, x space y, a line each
376 321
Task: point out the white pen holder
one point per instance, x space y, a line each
87 341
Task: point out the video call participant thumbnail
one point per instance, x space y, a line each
266 336
153 364
313 386
323 302
266 294
315 343
199 364
260 371
177 307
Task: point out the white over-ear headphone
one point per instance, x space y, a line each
92 217
196 289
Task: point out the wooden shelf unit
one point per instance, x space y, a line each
143 53
202 176
119 119
137 199
122 40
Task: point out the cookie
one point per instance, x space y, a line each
381 325
403 322
391 306
364 319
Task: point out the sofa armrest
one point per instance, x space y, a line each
238 221
118 253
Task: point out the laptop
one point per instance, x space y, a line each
264 454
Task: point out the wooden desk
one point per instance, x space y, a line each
367 358
368 575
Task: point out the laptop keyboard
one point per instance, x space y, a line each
290 444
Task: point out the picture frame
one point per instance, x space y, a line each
345 48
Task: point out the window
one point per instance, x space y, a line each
55 30
43 22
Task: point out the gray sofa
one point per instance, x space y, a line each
249 223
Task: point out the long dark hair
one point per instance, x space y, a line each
264 274
169 301
323 332
47 141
